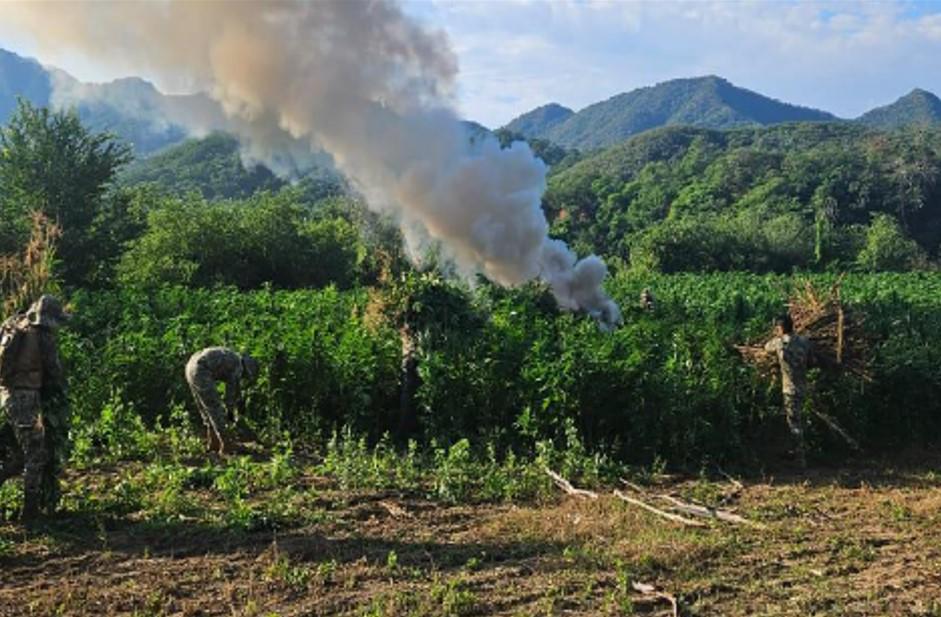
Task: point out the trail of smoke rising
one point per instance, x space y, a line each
360 80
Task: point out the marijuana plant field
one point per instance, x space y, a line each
507 369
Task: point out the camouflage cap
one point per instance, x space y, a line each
47 311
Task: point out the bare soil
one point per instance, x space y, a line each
861 540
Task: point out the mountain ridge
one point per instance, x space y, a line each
918 107
136 111
708 102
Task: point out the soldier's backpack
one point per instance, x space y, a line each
12 335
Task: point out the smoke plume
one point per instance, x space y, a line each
361 81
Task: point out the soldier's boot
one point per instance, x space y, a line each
32 507
32 494
800 452
36 459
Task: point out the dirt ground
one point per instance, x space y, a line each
860 540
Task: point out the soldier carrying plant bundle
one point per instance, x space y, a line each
817 330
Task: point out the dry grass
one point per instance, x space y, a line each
25 277
859 541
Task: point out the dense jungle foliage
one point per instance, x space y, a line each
800 196
318 290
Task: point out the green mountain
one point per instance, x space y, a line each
213 167
918 107
21 77
537 122
210 166
132 109
709 102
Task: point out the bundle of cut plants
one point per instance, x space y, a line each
834 330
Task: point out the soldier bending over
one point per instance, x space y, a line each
204 370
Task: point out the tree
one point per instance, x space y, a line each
265 239
52 164
888 248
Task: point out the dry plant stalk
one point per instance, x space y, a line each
650 591
835 331
25 277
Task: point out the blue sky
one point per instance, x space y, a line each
845 57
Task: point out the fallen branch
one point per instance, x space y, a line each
650 590
566 486
676 518
732 480
638 488
836 428
395 510
697 510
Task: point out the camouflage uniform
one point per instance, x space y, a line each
204 370
793 352
36 373
646 300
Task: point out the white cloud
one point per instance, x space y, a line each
844 57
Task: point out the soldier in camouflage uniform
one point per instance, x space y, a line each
204 370
647 299
793 353
32 379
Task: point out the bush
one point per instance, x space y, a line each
265 239
888 248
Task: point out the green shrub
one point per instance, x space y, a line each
888 248
268 238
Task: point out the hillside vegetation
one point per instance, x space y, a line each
807 196
917 108
210 166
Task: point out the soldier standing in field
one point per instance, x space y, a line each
793 352
204 370
31 378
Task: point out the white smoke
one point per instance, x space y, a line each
361 81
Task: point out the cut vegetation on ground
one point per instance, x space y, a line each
257 538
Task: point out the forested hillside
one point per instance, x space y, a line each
538 122
800 196
21 77
211 166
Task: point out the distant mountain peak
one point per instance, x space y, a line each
918 107
130 107
534 123
920 92
708 101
